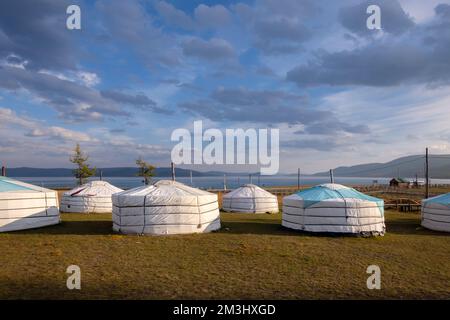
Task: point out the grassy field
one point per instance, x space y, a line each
251 257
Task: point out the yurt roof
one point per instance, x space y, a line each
164 192
441 199
93 188
166 188
248 191
333 191
12 185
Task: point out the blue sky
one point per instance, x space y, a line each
339 93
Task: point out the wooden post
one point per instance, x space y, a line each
173 171
298 179
427 176
331 176
3 171
190 173
224 182
101 175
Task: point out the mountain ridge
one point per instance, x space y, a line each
408 166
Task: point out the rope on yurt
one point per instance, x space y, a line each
254 199
120 215
199 215
45 196
231 202
345 204
143 225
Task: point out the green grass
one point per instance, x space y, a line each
251 257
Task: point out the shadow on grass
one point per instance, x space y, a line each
89 227
411 227
274 229
249 227
400 227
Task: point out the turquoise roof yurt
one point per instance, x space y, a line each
436 213
26 206
334 208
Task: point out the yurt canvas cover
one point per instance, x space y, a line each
250 199
92 197
25 206
167 207
333 208
436 213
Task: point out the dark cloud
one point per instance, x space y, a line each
393 18
331 127
276 36
35 31
315 144
289 8
278 26
388 61
281 29
174 16
214 49
138 100
212 16
269 107
128 23
117 130
443 10
73 101
255 98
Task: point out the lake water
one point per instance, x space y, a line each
215 182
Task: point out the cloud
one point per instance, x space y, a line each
212 16
128 22
421 56
268 107
289 8
205 17
174 16
255 98
277 27
74 101
214 49
314 144
37 129
139 100
331 127
51 145
35 31
393 18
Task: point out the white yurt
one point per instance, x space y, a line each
436 213
334 208
25 206
91 197
250 199
166 207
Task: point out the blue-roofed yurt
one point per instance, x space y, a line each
436 213
25 206
334 208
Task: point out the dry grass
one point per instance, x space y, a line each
251 257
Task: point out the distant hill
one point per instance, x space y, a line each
111 172
404 167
